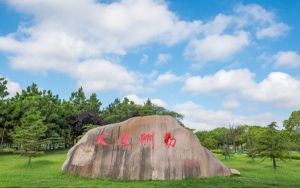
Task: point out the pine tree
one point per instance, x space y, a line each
271 144
93 103
3 108
30 134
78 99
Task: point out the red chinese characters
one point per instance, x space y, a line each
169 140
147 137
101 140
124 141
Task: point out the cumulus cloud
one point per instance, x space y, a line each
13 88
222 81
266 22
254 12
141 101
230 104
218 25
64 36
287 59
163 59
199 118
278 89
102 75
273 31
226 35
166 78
216 47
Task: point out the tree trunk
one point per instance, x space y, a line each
274 163
29 159
2 137
234 145
65 142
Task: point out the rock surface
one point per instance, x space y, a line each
142 148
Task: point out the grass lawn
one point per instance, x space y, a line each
45 172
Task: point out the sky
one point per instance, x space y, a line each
217 62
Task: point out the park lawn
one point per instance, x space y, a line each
45 172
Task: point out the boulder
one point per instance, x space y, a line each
142 148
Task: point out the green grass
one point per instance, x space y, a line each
45 172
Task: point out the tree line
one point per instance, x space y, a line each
36 119
256 141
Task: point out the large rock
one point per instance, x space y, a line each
150 147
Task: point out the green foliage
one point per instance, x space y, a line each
272 144
4 110
65 120
78 99
292 155
30 134
207 139
93 103
119 110
293 123
3 88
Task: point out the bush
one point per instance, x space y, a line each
293 155
221 152
7 151
217 151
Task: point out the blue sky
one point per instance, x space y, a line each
216 62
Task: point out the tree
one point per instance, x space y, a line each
271 144
48 105
3 88
207 139
3 108
30 134
78 120
292 126
93 103
250 136
78 99
293 123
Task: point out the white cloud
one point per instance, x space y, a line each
65 36
254 12
8 44
222 81
216 47
13 88
105 27
230 104
278 89
217 25
166 78
273 31
101 75
163 59
226 35
287 59
264 21
141 101
199 118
